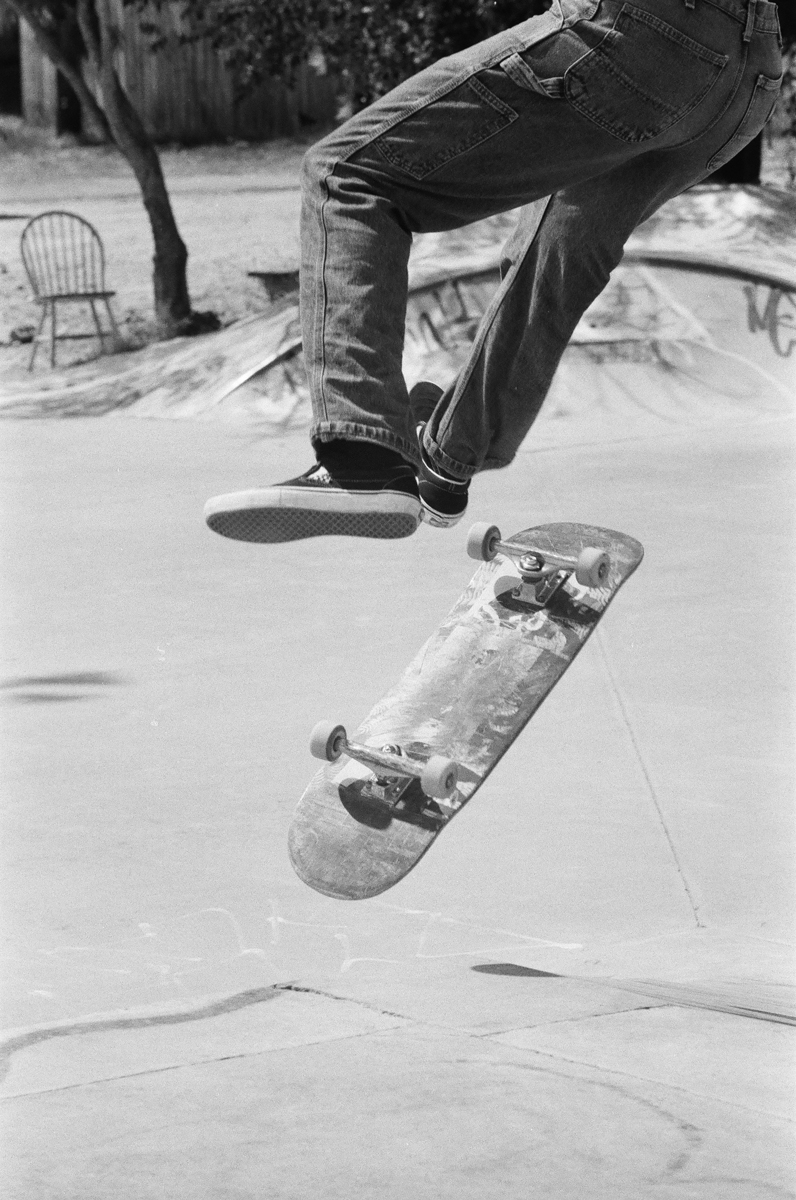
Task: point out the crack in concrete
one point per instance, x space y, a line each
575 1020
600 640
310 991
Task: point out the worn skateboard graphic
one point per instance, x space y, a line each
384 795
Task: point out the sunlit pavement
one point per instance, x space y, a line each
584 990
190 1020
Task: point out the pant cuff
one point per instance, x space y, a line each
329 431
439 458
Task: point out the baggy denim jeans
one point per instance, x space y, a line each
591 116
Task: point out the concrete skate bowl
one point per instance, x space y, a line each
584 990
698 322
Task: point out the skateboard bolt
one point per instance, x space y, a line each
530 563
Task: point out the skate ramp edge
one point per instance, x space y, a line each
697 321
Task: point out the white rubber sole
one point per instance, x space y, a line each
440 520
280 514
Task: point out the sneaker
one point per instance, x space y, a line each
444 497
334 497
423 399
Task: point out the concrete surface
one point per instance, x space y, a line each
586 987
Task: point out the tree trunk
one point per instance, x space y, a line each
170 261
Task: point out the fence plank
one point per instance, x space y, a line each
39 82
183 93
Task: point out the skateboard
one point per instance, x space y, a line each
384 795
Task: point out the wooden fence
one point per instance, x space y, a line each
183 93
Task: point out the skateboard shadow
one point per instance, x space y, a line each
413 807
50 689
513 969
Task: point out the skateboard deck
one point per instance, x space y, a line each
372 811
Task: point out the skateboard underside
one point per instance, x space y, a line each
467 694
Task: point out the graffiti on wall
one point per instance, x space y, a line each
772 310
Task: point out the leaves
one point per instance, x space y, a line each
371 45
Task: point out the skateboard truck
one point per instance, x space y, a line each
542 571
437 775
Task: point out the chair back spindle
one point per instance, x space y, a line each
62 254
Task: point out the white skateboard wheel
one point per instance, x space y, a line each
482 541
593 567
439 778
327 740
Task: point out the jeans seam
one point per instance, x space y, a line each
760 86
478 345
324 297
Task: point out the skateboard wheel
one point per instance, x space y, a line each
482 541
593 567
327 740
439 778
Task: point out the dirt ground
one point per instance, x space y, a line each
236 205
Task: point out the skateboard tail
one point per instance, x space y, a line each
328 875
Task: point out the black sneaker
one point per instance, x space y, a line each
333 497
444 497
423 399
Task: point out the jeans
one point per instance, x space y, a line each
590 117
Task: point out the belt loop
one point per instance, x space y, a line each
750 20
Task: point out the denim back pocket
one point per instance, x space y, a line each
643 76
447 127
760 109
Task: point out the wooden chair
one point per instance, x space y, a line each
65 263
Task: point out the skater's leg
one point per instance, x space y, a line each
557 263
440 151
564 250
552 106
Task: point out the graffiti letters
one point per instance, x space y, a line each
776 316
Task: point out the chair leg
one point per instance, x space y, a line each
117 337
100 334
36 337
53 338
